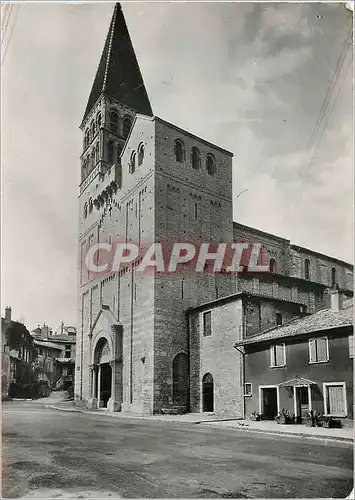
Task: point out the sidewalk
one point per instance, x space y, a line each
263 427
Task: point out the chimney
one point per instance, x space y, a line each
45 331
8 313
336 300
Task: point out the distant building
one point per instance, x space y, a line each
56 355
17 353
301 365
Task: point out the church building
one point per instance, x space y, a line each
143 339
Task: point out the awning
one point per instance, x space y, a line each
297 381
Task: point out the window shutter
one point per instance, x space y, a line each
351 346
322 354
312 351
272 356
280 355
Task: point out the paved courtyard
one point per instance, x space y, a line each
49 453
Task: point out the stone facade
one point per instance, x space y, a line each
160 183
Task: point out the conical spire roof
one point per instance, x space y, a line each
118 74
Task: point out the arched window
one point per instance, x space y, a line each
207 392
110 152
307 274
140 154
118 153
181 380
179 151
97 151
132 163
272 266
126 126
87 138
114 122
93 129
210 164
85 210
91 205
195 158
98 119
334 276
93 157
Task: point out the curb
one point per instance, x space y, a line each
71 410
319 437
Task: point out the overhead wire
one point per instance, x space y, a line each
316 139
10 35
331 88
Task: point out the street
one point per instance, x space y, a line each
48 453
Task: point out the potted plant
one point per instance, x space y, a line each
313 419
285 417
255 416
331 422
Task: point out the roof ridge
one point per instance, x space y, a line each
113 22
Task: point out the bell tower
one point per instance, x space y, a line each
117 94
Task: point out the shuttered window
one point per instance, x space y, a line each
334 396
277 355
351 346
318 350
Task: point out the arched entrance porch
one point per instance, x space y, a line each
106 375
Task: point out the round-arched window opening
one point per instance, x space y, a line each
114 122
126 126
132 163
91 205
140 154
210 164
195 158
93 129
272 266
307 273
179 151
85 210
98 120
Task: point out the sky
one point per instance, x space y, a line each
249 77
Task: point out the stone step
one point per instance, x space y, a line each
174 410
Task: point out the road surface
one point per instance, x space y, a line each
49 453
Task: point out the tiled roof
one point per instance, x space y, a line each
47 344
326 319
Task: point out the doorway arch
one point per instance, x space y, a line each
103 372
181 380
207 392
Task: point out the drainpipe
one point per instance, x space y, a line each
243 375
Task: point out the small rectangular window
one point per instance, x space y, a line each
278 319
68 351
318 350
207 324
277 355
351 346
248 389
